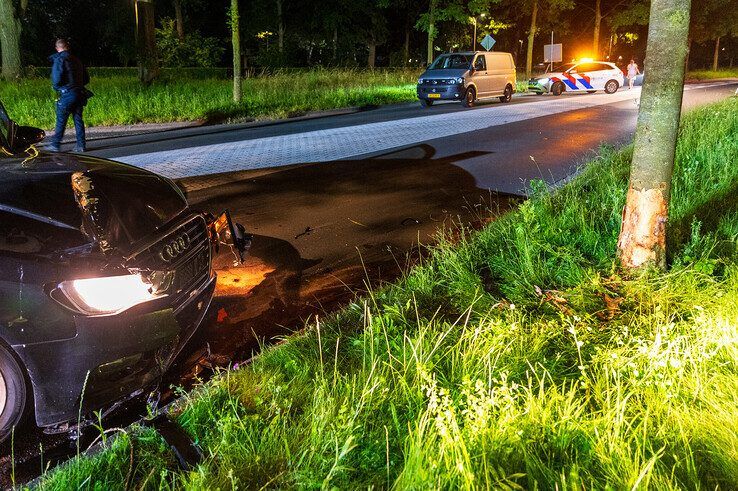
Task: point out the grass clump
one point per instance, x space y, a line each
516 357
713 74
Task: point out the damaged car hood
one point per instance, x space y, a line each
64 200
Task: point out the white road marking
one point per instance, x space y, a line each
350 141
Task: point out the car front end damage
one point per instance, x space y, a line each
101 289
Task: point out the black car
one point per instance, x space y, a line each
105 272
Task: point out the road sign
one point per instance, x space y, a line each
552 53
488 42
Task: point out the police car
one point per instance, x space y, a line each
589 76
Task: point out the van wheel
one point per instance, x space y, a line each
426 102
557 88
507 96
611 86
13 394
469 97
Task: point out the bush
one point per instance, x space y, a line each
194 51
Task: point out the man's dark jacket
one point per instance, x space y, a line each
67 72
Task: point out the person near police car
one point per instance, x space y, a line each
633 71
69 78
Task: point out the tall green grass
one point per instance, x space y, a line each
515 357
123 100
713 74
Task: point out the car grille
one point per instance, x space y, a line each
191 264
435 90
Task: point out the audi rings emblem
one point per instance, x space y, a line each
174 248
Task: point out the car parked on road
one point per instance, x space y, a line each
589 76
105 273
467 77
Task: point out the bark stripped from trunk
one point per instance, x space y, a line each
531 39
642 239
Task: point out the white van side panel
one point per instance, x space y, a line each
501 71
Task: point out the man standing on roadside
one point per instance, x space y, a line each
68 77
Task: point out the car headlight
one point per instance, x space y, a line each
111 294
459 80
420 81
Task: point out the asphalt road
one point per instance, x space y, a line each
327 230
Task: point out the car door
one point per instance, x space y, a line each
600 75
480 76
586 76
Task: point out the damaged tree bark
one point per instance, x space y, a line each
642 239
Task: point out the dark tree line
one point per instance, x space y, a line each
275 33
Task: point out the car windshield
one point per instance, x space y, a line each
450 61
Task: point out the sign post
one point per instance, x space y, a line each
552 53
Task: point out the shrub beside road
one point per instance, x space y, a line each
516 356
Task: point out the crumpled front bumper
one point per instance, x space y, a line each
111 357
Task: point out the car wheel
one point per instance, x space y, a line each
557 88
13 394
469 97
611 86
426 102
507 96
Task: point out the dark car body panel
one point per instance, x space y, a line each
52 231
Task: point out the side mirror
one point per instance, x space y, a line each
25 136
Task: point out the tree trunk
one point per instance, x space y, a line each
179 16
598 23
406 46
689 50
642 239
531 39
372 54
335 44
280 26
236 42
148 64
431 30
716 55
10 32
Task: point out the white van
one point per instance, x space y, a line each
467 77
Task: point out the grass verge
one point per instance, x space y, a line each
515 357
123 100
713 74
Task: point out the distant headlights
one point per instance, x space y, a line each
109 294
